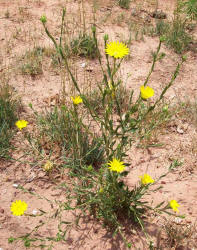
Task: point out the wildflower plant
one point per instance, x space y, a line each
189 7
108 197
100 189
124 3
9 107
83 46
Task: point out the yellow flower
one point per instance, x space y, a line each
48 166
21 124
76 100
146 179
146 92
117 49
18 207
174 205
116 165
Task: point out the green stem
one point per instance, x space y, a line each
155 56
165 89
62 26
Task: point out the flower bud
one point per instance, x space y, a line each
165 108
184 58
89 168
106 37
48 166
93 28
43 19
162 38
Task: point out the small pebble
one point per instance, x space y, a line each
123 116
83 65
177 220
15 185
89 69
147 19
4 191
134 12
34 212
180 131
1 210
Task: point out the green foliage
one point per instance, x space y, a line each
102 192
92 187
122 95
52 54
8 117
162 27
189 7
62 127
95 100
124 3
31 62
177 37
175 34
107 198
187 110
153 123
84 45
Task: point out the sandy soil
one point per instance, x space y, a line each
22 31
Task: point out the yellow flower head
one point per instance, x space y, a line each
48 166
21 124
146 179
117 49
174 205
146 92
18 207
116 165
76 100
